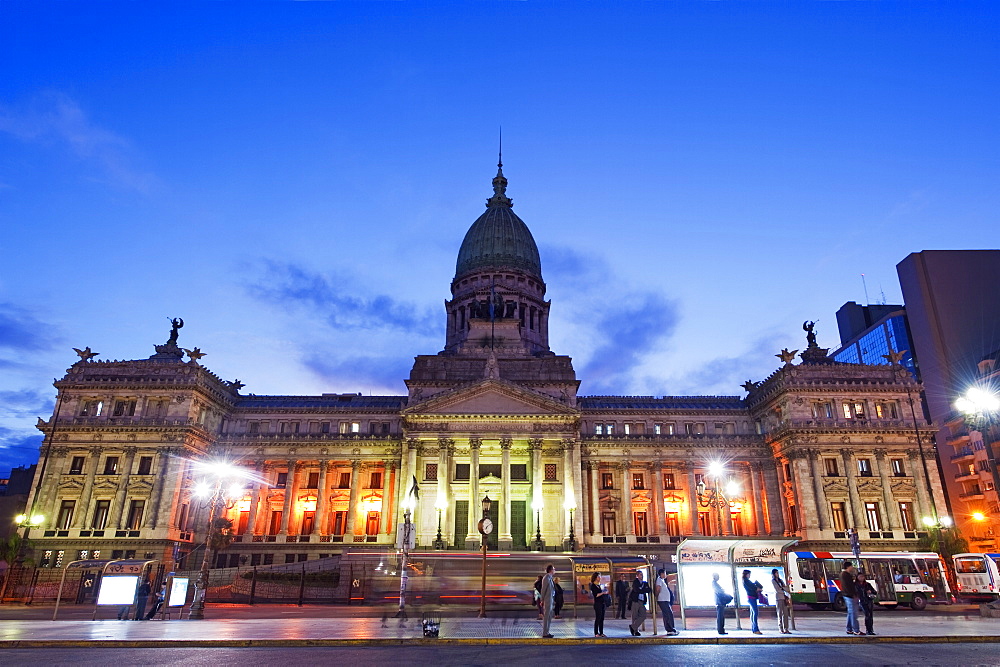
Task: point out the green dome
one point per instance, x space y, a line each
498 239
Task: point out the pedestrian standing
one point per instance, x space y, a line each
548 600
637 598
665 600
782 600
722 598
621 595
601 604
538 596
559 597
868 598
752 589
849 591
140 600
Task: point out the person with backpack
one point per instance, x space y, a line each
722 598
665 600
752 589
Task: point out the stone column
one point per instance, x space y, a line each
505 539
48 504
579 513
891 510
472 538
322 495
255 501
924 507
852 489
821 505
118 509
81 518
658 524
692 492
387 469
773 491
625 468
567 488
352 504
286 509
445 448
804 491
758 502
596 529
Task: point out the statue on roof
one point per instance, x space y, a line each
176 324
86 354
808 326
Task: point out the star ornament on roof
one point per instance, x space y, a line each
787 356
749 386
893 357
195 354
85 354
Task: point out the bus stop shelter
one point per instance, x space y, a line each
698 559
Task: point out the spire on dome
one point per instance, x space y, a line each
500 197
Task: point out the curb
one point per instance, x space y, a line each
477 641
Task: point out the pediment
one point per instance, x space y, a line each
490 397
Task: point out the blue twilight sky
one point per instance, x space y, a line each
295 179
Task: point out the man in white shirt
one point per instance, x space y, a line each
665 600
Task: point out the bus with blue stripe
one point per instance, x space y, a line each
977 576
900 577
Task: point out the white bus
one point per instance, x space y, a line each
900 577
978 576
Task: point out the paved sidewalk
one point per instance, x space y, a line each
374 631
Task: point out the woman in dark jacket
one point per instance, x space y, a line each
868 597
752 589
600 604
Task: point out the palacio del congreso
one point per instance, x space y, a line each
812 450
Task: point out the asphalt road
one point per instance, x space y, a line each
728 656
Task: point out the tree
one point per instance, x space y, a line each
220 534
12 548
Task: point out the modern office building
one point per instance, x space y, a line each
815 448
868 333
952 302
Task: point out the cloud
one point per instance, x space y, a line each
725 375
631 321
628 331
382 373
27 403
54 119
17 447
340 303
21 331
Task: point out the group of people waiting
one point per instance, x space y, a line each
631 598
857 591
756 597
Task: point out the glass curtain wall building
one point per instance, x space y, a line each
868 345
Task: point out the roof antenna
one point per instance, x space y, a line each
867 302
500 158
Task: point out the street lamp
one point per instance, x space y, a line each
980 407
717 497
223 485
538 544
485 528
441 506
408 505
570 504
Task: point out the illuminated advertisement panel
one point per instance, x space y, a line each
118 590
178 591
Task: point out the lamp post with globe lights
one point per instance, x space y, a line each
717 496
220 485
441 506
485 528
570 505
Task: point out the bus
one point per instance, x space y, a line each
900 577
977 576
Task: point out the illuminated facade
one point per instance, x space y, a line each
813 449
